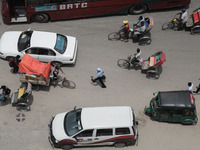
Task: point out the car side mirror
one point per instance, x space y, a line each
136 122
74 107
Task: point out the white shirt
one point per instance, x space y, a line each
190 88
184 17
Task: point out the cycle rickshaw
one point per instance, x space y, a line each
143 39
39 73
193 22
151 66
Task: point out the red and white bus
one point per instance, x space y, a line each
46 10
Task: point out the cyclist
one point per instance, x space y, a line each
56 70
137 57
183 19
125 30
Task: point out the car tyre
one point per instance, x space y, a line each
120 145
67 147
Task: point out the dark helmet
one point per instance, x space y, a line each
57 66
18 56
189 83
138 50
3 87
183 10
140 18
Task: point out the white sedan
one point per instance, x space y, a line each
43 46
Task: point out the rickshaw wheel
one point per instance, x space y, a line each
114 36
167 26
175 26
145 41
153 74
123 63
69 84
195 30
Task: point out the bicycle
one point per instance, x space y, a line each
172 25
65 82
126 63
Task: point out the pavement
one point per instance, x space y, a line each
124 87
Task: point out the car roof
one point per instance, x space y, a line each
179 99
106 117
43 39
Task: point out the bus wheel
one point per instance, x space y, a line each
137 9
40 18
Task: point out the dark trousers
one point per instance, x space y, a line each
197 91
101 81
15 68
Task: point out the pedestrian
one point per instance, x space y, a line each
99 77
198 88
190 87
16 64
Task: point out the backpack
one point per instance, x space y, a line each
11 62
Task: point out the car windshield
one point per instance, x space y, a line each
61 43
24 40
72 122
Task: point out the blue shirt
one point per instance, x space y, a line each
99 74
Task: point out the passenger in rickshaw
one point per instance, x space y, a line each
5 93
137 57
138 23
138 31
125 30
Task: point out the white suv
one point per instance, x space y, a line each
94 126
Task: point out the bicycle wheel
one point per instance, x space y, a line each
195 30
175 26
167 26
114 36
69 84
123 63
145 41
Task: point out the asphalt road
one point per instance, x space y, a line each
124 87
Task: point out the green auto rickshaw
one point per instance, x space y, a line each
173 106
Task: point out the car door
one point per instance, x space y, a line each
103 137
46 55
33 52
85 138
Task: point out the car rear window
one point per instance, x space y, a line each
61 43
